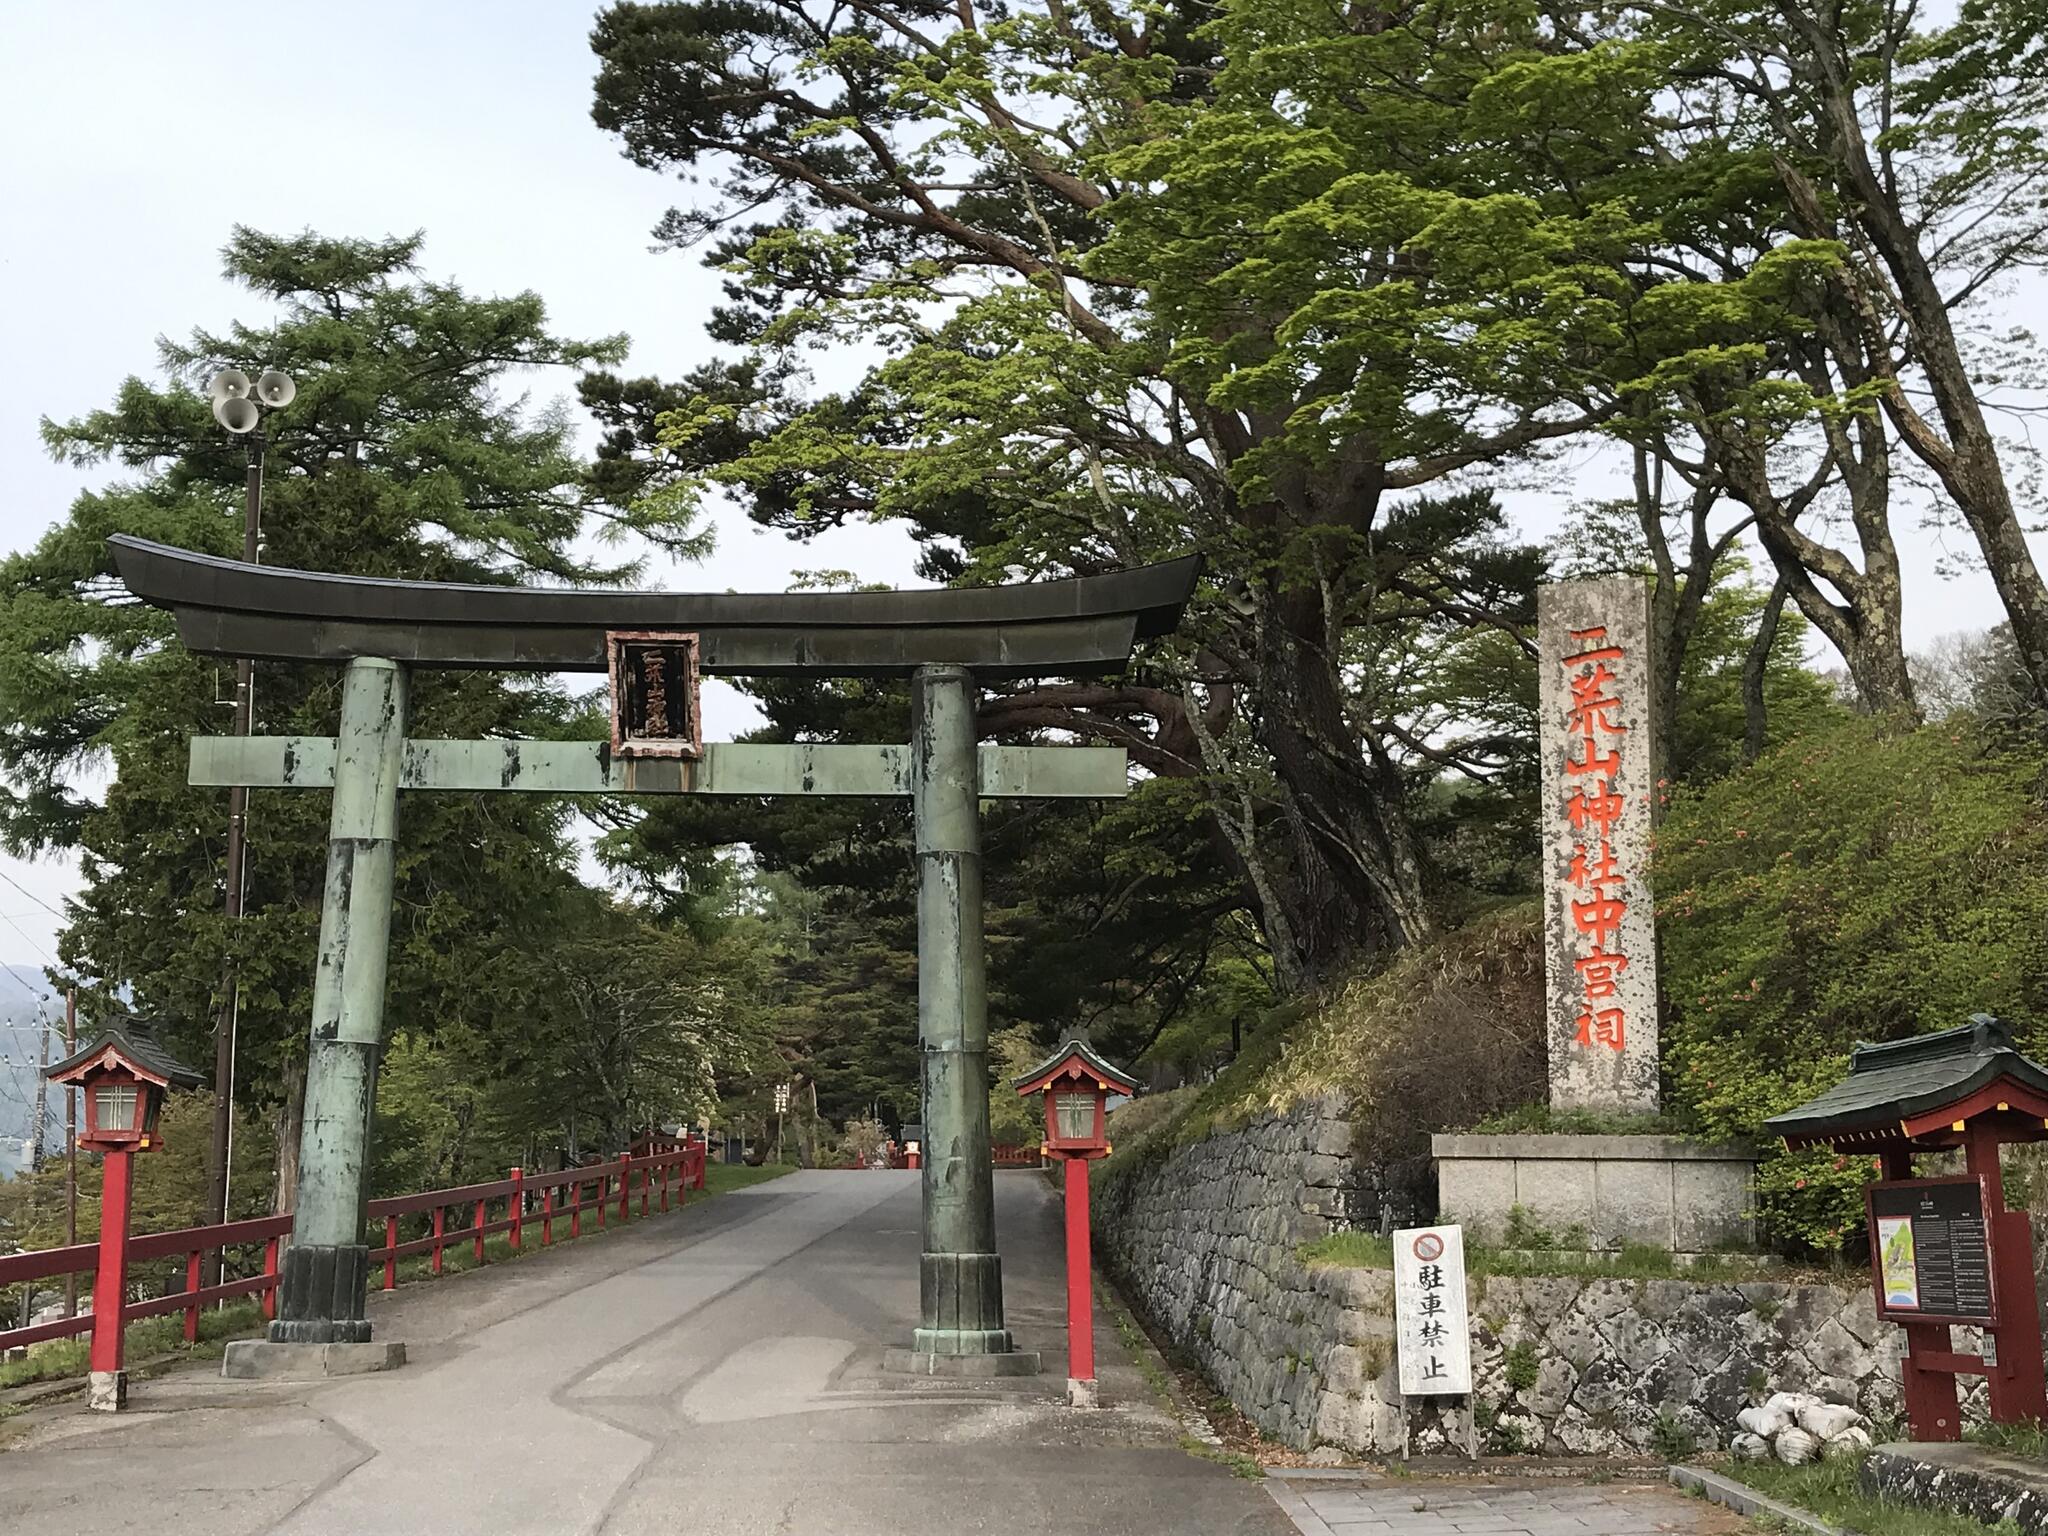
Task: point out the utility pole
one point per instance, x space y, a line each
35 1144
238 406
41 1117
70 1149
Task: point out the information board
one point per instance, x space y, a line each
1930 1250
654 694
1432 1331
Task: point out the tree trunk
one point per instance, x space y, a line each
1755 665
1967 463
291 1111
1355 881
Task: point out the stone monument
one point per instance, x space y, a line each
1602 765
1596 731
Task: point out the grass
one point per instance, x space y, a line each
155 1337
1637 1261
1137 1347
1542 1120
1829 1490
2028 1440
722 1178
149 1339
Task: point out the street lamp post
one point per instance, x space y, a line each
239 405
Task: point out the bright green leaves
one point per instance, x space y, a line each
1789 935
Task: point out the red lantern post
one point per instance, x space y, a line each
1077 1084
125 1074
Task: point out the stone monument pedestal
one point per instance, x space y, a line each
1601 1191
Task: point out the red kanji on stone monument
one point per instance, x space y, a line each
1606 1026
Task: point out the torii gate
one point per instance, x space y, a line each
653 644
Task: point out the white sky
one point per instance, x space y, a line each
134 134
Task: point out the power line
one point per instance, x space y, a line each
31 895
31 943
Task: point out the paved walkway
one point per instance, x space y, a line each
1427 1507
718 1370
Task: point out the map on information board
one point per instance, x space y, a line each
1931 1248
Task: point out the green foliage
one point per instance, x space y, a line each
1542 1120
1670 1439
1635 1261
1860 884
151 1339
1522 1366
1830 1490
408 452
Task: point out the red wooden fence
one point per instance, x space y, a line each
669 1166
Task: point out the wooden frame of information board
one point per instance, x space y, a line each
1881 1274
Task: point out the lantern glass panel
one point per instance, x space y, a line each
1076 1115
115 1103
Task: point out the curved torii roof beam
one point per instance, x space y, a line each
1079 626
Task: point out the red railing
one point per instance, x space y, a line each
679 1168
663 1167
191 1243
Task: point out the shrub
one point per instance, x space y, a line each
1860 884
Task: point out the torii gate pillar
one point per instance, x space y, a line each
960 1276
322 1286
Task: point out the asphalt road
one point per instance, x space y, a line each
715 1371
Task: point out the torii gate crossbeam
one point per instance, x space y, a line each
941 640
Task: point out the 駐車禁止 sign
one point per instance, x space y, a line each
1432 1333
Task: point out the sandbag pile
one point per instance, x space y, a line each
1797 1427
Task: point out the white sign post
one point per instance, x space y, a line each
1431 1329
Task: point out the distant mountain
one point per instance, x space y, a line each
27 1006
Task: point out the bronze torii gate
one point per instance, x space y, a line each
653 644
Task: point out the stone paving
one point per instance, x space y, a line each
1322 1506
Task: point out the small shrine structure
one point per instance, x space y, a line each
1944 1251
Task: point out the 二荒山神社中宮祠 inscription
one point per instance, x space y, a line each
1599 768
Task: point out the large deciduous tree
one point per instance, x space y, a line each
1095 271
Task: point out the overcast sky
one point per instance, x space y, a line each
135 134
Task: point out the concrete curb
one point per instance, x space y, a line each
1745 1500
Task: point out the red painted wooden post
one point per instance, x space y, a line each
478 1226
576 1209
440 1226
547 1217
646 1173
625 1184
518 1206
2016 1384
1080 1283
270 1273
697 1160
390 1253
665 1168
110 1281
192 1307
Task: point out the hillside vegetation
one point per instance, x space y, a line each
1861 882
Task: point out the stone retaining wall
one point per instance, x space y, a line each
1205 1242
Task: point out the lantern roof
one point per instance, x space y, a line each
129 1041
1917 1088
1076 1058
